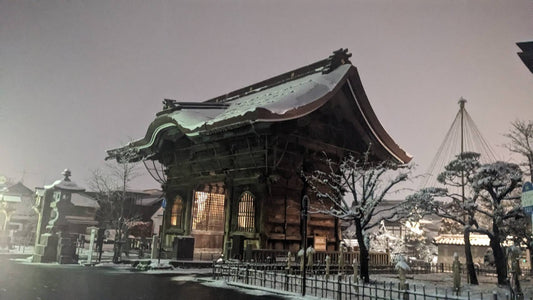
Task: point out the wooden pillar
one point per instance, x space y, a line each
261 201
188 200
228 206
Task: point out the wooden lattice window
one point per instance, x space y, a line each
246 216
208 211
176 212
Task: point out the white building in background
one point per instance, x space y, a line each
17 218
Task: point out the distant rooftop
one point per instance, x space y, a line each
458 239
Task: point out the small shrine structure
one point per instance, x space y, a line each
233 164
64 212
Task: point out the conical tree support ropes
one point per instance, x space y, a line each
472 141
463 136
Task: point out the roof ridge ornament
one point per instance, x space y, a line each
66 173
169 104
338 58
65 183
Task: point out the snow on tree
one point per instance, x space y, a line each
448 226
449 203
489 209
367 182
413 242
382 240
497 183
417 243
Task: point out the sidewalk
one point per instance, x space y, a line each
17 252
127 263
146 265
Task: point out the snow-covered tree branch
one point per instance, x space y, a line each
352 189
488 207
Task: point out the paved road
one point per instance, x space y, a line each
55 282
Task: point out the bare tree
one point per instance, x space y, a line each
110 186
368 182
521 142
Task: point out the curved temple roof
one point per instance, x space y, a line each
288 96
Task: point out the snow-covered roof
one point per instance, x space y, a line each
83 200
351 242
81 220
148 201
10 198
458 239
65 183
12 193
292 95
20 188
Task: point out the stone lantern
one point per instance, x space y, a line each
53 243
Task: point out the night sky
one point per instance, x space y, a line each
79 77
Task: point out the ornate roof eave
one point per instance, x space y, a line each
378 132
142 149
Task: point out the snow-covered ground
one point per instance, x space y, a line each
443 282
385 286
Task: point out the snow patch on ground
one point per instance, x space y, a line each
252 290
444 281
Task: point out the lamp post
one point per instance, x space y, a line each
305 209
164 206
3 207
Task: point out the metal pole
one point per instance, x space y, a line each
462 102
305 208
161 239
155 238
91 245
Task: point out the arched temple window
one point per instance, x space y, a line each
176 212
246 215
208 211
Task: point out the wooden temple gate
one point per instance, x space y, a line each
234 164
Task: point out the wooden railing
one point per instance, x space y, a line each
269 255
